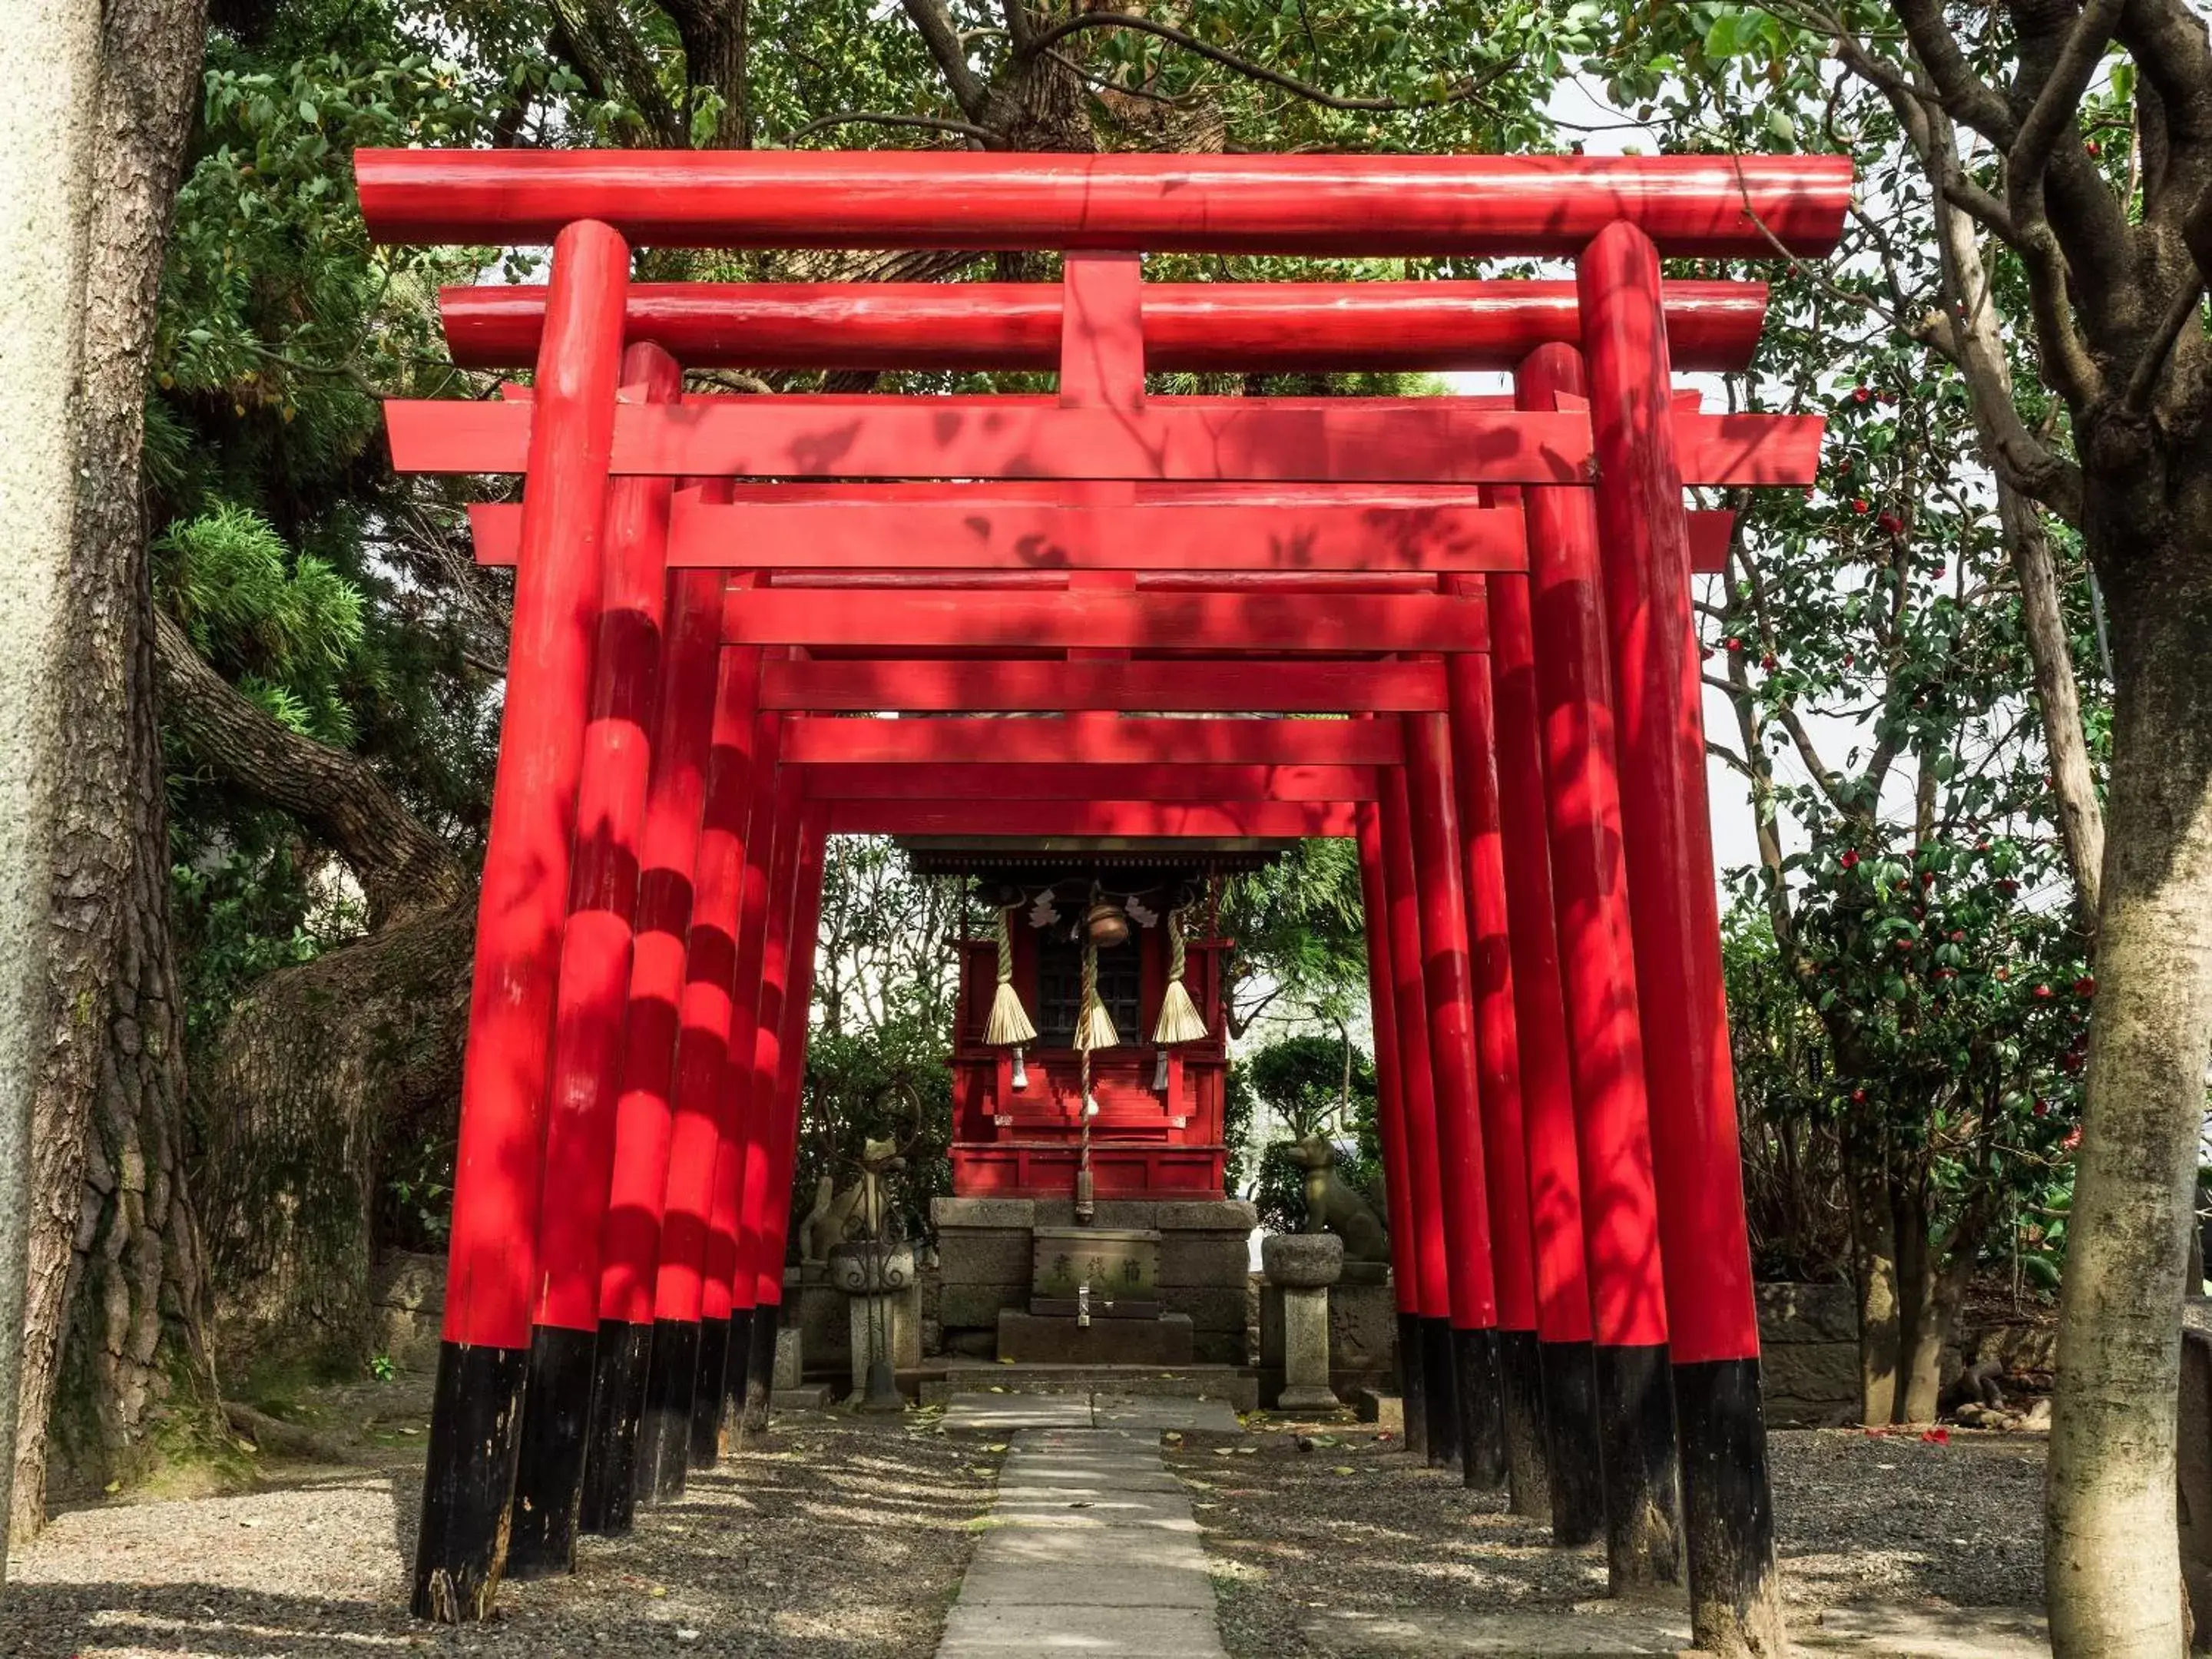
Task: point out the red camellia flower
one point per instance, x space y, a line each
1890 522
2073 1140
1927 878
1958 936
1858 1097
2085 986
1904 944
1732 643
1859 504
2042 1109
1767 662
1850 860
2042 993
1859 394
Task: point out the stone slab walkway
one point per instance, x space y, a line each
1142 1413
1092 1548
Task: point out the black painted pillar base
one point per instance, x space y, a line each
1413 1384
734 1368
1520 1402
1728 1508
1481 1419
1569 1372
618 1369
707 1392
549 1481
664 1433
1636 1444
1441 1373
760 1372
468 1479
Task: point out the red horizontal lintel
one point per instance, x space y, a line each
926 686
1137 820
1346 441
1285 625
1190 327
1090 740
1378 206
881 535
960 781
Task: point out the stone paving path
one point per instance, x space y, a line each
1092 1548
1142 1413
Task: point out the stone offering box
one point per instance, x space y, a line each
1192 1257
1121 1265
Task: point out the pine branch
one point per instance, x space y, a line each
404 869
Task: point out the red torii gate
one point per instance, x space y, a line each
666 778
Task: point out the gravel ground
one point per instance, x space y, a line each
841 1536
1349 1527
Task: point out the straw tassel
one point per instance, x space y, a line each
1010 1021
1095 1028
1179 1020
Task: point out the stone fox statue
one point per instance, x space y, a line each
830 1219
1332 1207
824 1226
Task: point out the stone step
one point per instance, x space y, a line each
1236 1384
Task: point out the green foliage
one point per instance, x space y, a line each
288 627
1237 1104
885 1082
1300 931
1314 1084
416 1200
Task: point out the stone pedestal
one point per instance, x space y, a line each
880 1287
790 1357
826 1322
986 1251
1302 1267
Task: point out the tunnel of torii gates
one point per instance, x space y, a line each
714 593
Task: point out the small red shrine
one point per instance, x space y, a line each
1018 1119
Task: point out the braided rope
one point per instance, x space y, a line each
1009 1024
1179 1020
1094 1024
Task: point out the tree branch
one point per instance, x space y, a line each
873 118
598 39
1465 91
943 39
1964 93
2056 102
2187 301
404 870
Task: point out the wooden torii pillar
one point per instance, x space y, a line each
1311 462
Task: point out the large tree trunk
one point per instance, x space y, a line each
2112 1558
109 878
137 1385
317 1063
300 1098
2073 783
1873 1274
